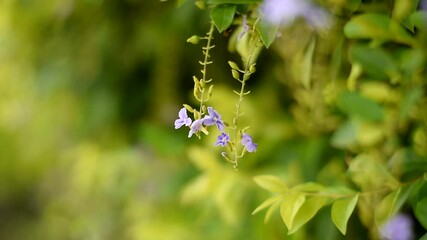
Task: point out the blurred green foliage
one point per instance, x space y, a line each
90 89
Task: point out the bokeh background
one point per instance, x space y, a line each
89 91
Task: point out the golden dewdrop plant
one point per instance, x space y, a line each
355 74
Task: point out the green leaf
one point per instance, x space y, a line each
342 210
307 62
270 201
419 19
409 101
353 5
271 183
402 10
290 205
267 31
378 27
233 1
424 237
223 15
391 204
421 212
361 107
375 62
309 187
345 136
307 211
270 211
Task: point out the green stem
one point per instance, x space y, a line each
205 63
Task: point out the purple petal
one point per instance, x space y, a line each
195 127
183 113
222 139
251 147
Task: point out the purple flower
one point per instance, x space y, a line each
183 119
248 143
398 228
222 139
283 12
214 118
195 127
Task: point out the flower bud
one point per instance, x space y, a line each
233 65
252 68
235 73
193 39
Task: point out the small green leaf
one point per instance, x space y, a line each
409 101
307 211
421 212
222 16
290 205
353 5
345 136
391 204
267 31
271 183
378 27
402 10
267 203
309 187
375 62
307 63
361 107
342 210
424 237
419 19
271 210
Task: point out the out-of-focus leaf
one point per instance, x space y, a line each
270 201
271 210
375 61
271 183
222 16
369 134
233 1
424 237
402 10
422 191
358 106
309 187
378 176
419 19
421 212
307 63
408 102
342 210
307 211
353 5
391 204
411 61
345 136
267 31
378 27
291 203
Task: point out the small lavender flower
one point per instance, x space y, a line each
248 143
214 118
195 127
283 12
183 119
398 228
222 139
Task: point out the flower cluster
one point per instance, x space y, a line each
212 118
